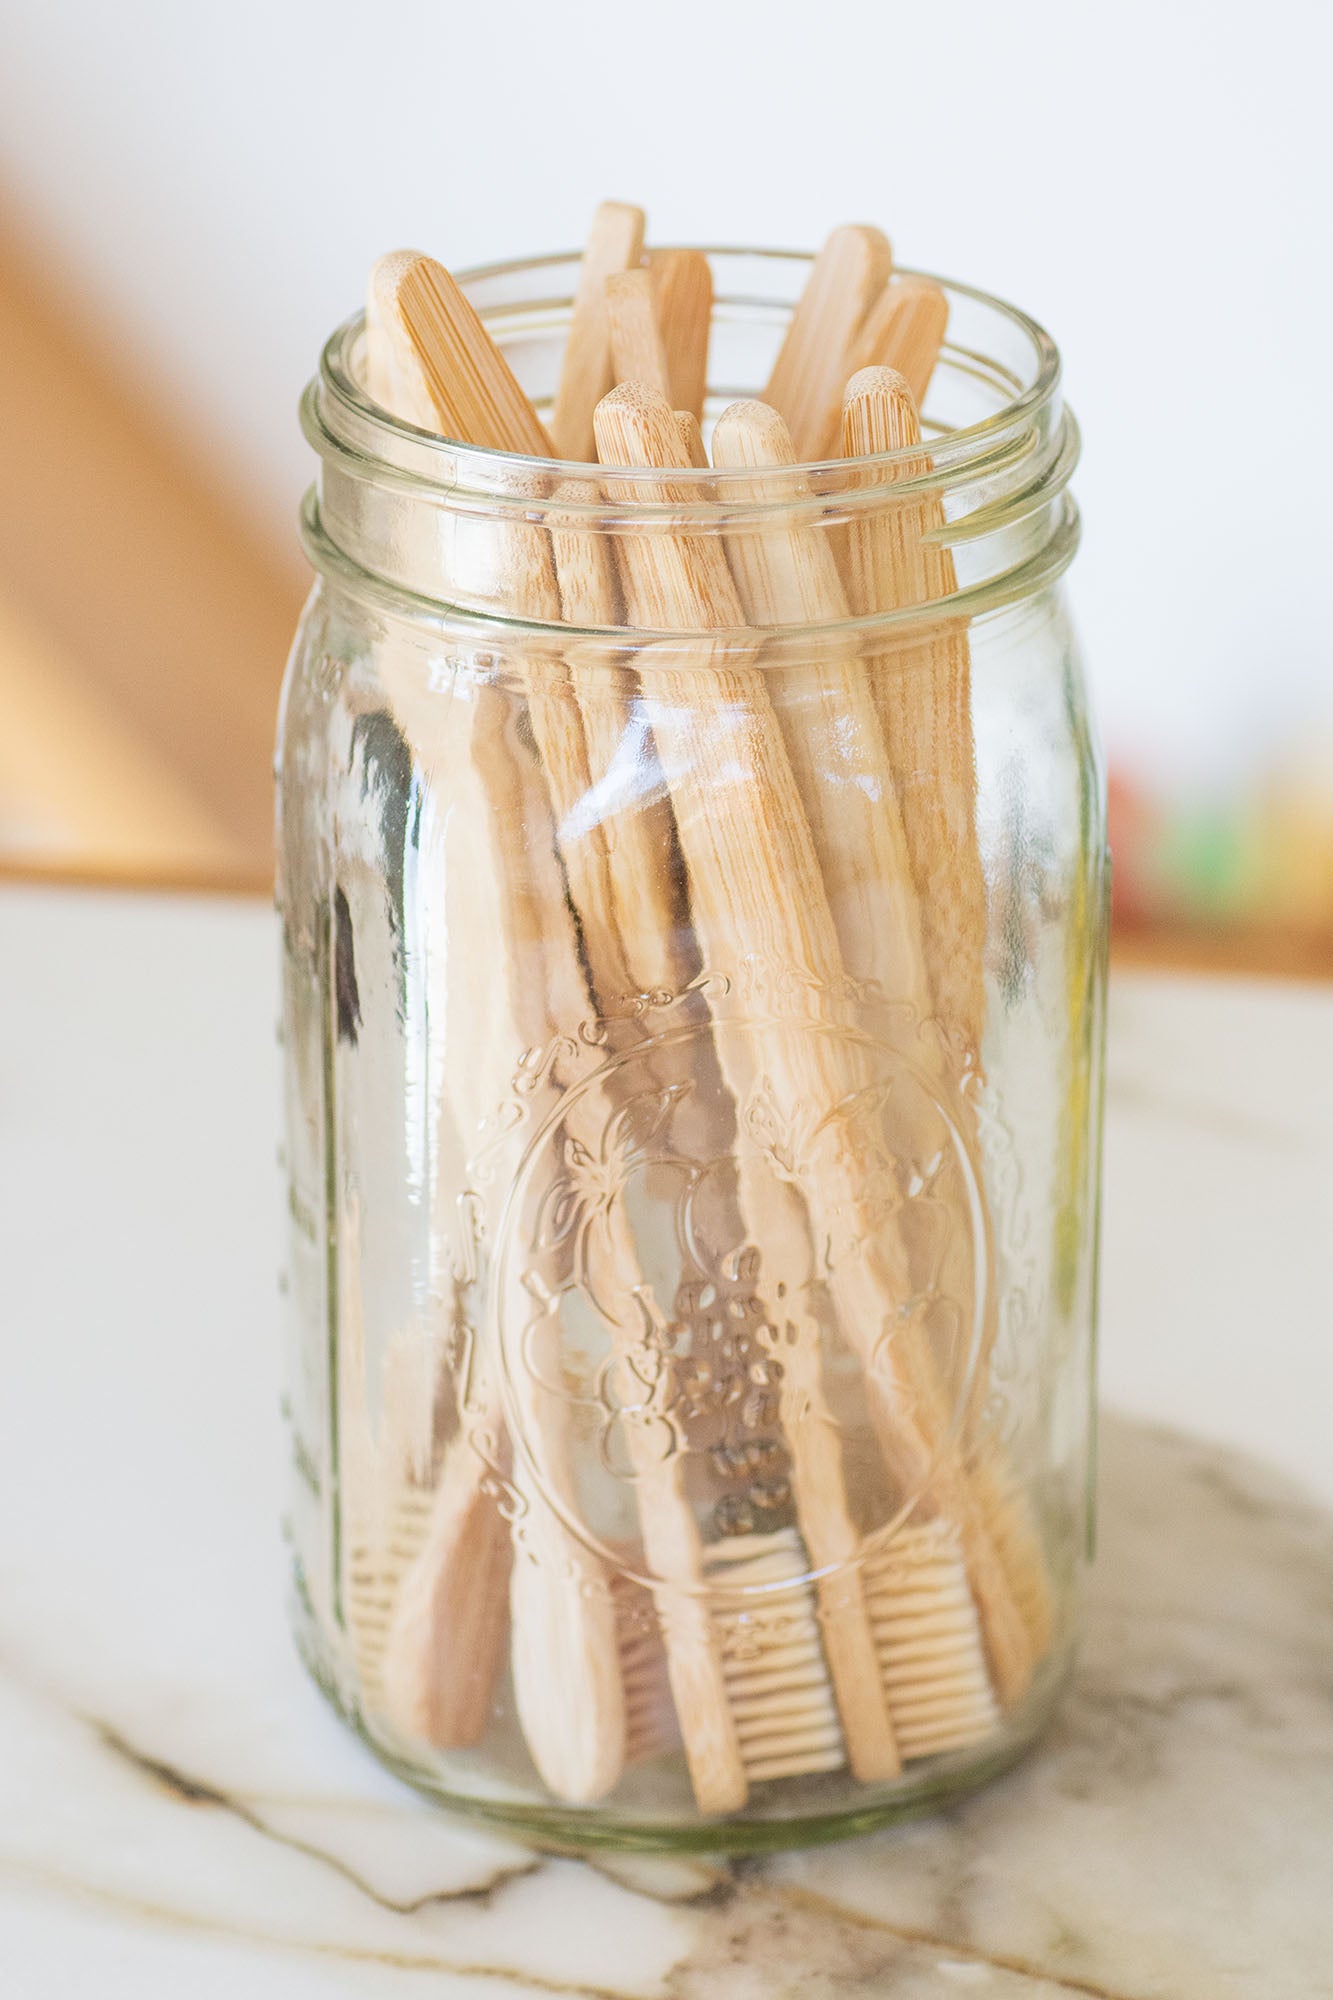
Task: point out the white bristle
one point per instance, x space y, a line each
928 1642
372 1578
931 1653
772 1657
650 1717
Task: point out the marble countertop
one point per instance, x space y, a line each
180 1813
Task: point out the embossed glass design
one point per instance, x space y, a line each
692 1202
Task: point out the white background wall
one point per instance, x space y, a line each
1151 179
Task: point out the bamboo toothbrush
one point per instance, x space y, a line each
439 1615
428 1604
924 697
563 727
557 1586
780 1705
831 728
683 289
615 243
431 334
811 369
757 895
781 1702
708 1726
777 1687
427 1596
788 576
565 1646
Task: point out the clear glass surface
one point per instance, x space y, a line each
693 1053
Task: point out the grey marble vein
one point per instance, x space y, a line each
1170 1841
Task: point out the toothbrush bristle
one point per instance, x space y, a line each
650 1717
774 1669
929 1641
375 1569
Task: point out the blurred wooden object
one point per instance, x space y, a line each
1257 951
143 622
75 778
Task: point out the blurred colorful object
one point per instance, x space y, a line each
1258 855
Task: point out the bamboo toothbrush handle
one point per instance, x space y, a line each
435 336
393 373
591 596
905 330
758 898
683 285
806 384
443 1636
788 576
635 939
608 791
476 399
638 353
923 692
830 724
924 696
757 894
615 243
469 382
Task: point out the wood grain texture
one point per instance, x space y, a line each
393 371
615 243
925 702
923 693
636 941
568 1681
568 1684
788 576
758 899
830 722
904 329
622 870
696 452
823 1513
438 346
637 352
683 283
813 363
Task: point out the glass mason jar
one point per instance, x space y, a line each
693 1064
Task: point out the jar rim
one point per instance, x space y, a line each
459 467
420 511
